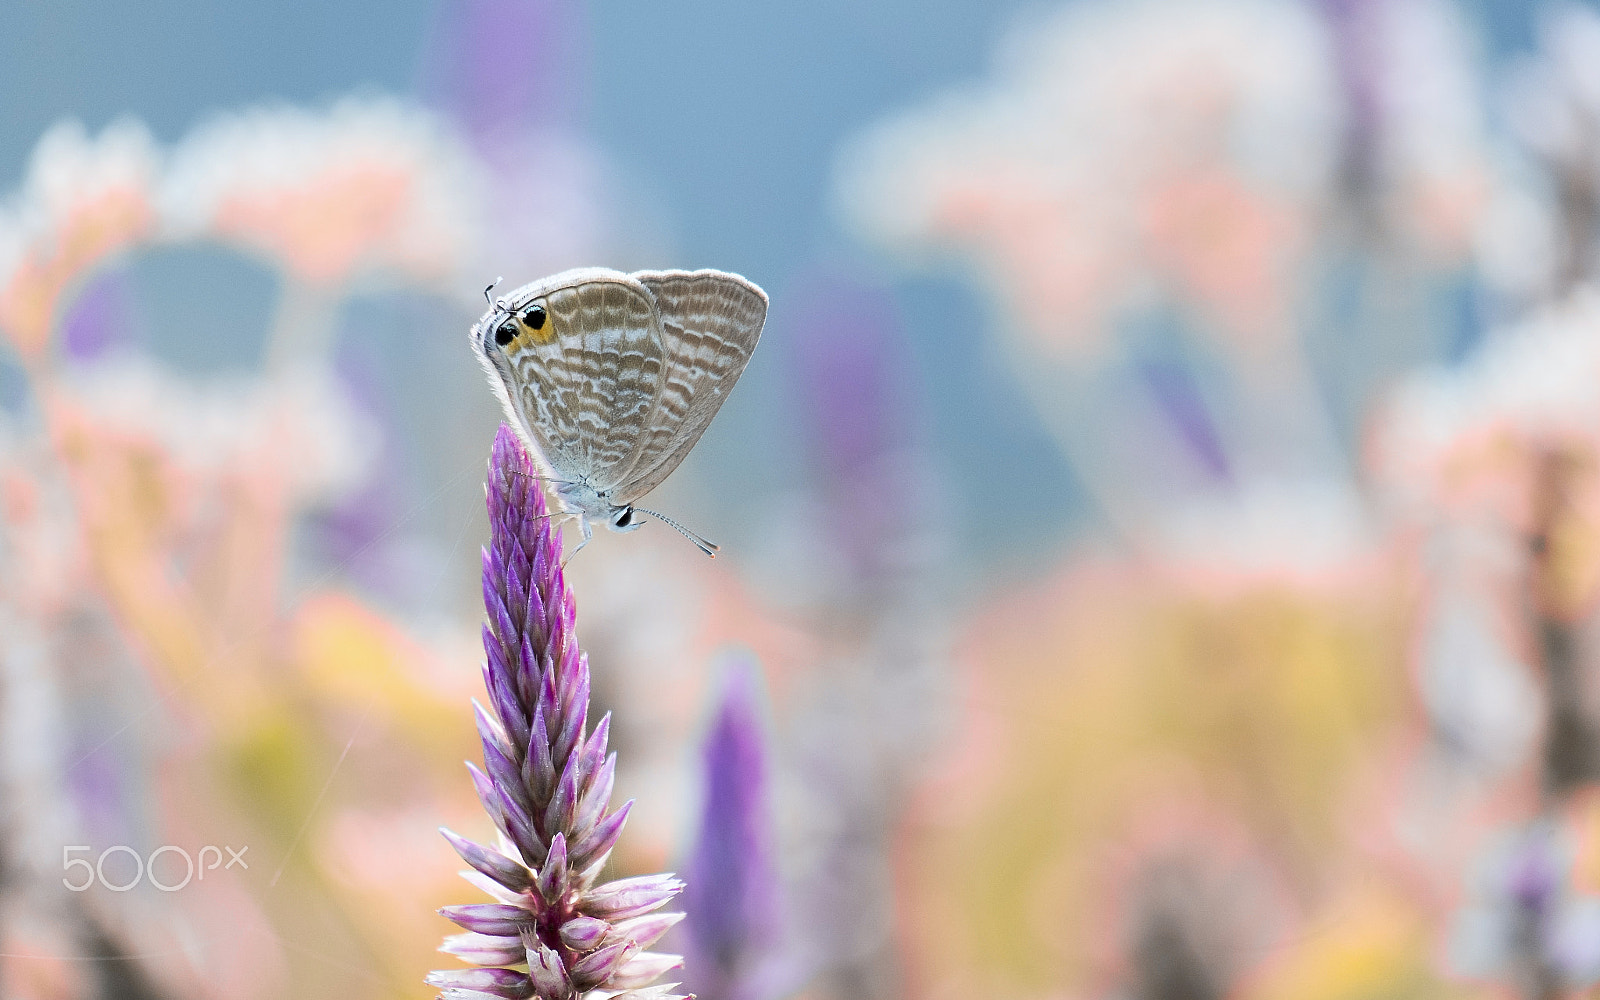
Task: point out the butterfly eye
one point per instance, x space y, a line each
505 333
533 319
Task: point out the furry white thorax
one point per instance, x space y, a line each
589 503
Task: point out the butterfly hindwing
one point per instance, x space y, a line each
710 323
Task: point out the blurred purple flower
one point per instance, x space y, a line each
508 73
852 357
1173 387
546 783
1527 926
100 318
1358 61
358 532
878 688
503 66
733 904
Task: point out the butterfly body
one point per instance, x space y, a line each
593 505
611 377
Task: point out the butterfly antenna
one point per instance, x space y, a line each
489 288
709 548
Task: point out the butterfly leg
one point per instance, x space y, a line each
588 535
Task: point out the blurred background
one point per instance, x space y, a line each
1161 525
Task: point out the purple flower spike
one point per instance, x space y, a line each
546 782
733 905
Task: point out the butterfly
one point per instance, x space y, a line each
611 378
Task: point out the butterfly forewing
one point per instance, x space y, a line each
710 322
588 380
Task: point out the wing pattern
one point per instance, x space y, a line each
710 323
588 381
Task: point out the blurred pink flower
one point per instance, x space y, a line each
369 184
83 200
1223 244
185 496
39 963
41 556
299 425
1181 145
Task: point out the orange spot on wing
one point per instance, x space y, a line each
543 336
527 336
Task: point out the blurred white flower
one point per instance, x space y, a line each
1301 530
1488 471
1482 700
1434 155
1554 101
1453 442
1553 104
1517 244
299 425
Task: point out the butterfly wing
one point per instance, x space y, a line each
710 322
583 385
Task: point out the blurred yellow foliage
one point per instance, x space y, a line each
1109 693
351 655
1372 945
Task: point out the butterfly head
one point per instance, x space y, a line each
625 518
